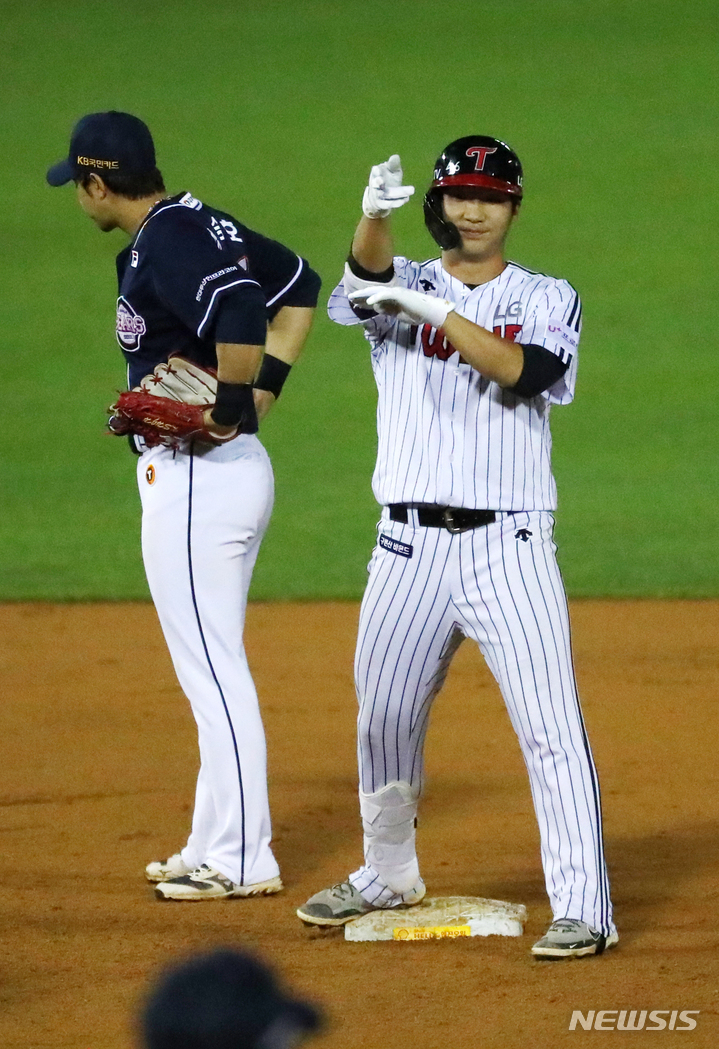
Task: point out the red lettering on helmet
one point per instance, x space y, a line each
481 153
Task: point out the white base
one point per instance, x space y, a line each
444 917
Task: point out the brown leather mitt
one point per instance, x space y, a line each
158 419
168 405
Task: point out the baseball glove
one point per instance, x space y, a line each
168 406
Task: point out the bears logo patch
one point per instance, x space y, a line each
130 326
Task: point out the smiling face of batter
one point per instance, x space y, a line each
483 218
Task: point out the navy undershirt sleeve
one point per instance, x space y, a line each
192 274
541 369
286 279
241 317
305 291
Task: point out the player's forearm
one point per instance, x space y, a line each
286 335
373 245
287 332
237 366
498 360
237 363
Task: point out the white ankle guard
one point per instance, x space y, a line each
388 820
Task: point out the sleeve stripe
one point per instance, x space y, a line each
570 319
215 293
287 286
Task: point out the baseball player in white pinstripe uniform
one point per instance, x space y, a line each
469 353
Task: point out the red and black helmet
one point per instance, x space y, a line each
476 160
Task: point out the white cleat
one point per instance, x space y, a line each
163 870
206 883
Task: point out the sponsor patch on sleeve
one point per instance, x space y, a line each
190 202
563 335
394 546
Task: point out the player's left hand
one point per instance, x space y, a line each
413 307
220 433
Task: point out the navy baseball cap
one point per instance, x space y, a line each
225 999
106 142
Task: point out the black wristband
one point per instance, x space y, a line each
235 406
273 373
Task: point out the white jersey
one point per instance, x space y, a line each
446 434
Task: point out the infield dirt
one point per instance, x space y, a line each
97 777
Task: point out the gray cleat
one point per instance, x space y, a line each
342 903
570 938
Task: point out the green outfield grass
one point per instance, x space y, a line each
275 112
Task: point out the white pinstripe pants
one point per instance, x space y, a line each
506 593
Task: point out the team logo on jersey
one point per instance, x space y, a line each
508 320
150 474
130 326
395 547
435 344
134 259
507 331
481 153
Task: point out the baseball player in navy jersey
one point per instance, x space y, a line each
469 353
195 281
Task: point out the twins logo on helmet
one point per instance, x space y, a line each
481 154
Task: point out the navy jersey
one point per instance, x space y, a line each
188 262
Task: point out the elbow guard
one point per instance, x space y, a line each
357 278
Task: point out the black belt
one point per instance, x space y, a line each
453 518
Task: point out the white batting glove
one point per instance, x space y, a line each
385 190
413 307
